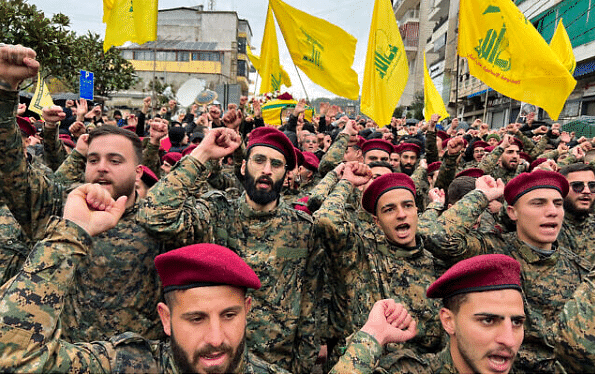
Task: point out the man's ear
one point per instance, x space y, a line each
511 211
248 304
165 316
243 169
376 221
139 172
447 318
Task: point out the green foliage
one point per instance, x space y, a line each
61 53
417 106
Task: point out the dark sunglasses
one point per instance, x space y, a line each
579 186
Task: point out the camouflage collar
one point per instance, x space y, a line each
532 254
576 220
247 212
401 251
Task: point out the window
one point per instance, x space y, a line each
206 56
183 56
167 56
127 54
242 68
143 55
242 45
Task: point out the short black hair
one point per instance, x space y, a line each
381 164
115 130
454 302
576 167
459 187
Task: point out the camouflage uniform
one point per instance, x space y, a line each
334 154
364 353
30 328
489 164
117 287
577 234
14 245
365 267
548 281
279 245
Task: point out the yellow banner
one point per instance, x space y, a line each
506 52
386 71
322 50
562 47
129 20
41 98
276 112
433 103
270 69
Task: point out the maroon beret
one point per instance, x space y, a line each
26 126
130 127
536 162
408 147
303 208
528 181
67 140
479 143
525 156
478 273
172 157
148 177
382 185
489 149
310 161
204 265
360 142
273 138
189 149
442 135
377 144
471 172
299 157
433 167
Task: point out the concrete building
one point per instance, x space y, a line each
191 43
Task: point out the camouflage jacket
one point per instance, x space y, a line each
489 164
363 356
14 245
548 281
30 327
364 267
578 235
116 286
334 154
280 245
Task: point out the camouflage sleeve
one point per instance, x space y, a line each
447 171
151 158
570 159
31 197
420 179
361 356
217 178
539 147
553 154
528 144
238 160
54 152
575 330
448 238
428 218
170 212
321 191
31 304
334 155
431 147
489 162
72 170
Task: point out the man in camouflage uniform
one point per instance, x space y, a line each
366 265
578 229
116 287
277 241
483 315
550 273
504 159
206 305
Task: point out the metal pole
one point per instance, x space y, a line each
298 72
256 85
457 90
485 106
154 95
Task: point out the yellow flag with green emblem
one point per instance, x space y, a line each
322 50
386 71
506 52
42 97
433 103
562 47
129 20
270 69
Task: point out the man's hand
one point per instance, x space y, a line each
565 137
256 107
22 108
578 153
357 173
95 112
389 322
17 63
476 123
92 208
218 143
455 145
82 144
548 165
492 188
300 107
81 109
146 104
507 140
77 129
512 128
339 169
437 195
324 106
157 131
232 119
52 116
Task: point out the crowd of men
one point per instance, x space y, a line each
189 240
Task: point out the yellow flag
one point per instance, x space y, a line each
562 47
433 103
275 111
506 52
129 20
322 50
41 98
253 58
386 72
270 69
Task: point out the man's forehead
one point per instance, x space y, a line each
396 195
267 151
540 193
491 302
581 175
110 142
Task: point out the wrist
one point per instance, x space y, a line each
9 86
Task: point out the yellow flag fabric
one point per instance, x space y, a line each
386 71
255 60
562 47
270 69
129 20
323 51
274 111
506 52
433 103
41 98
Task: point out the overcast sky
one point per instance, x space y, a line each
353 16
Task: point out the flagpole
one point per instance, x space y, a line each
298 73
256 84
485 107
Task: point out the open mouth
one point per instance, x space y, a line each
264 183
499 363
